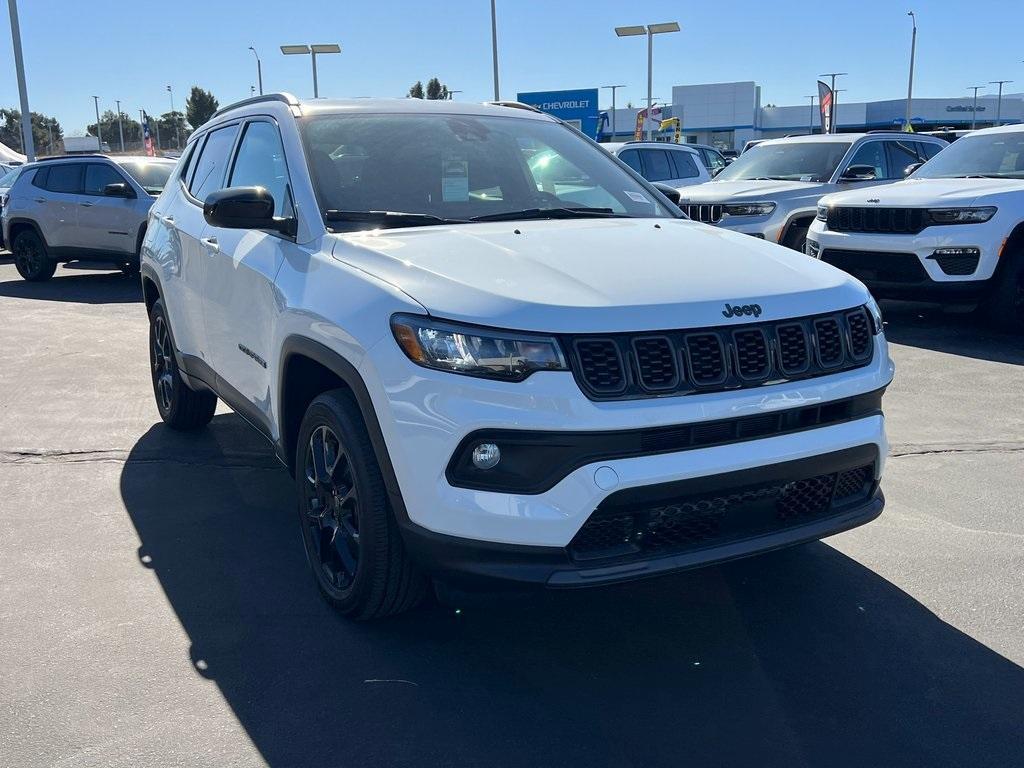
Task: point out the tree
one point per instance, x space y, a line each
436 90
110 132
416 92
200 106
42 128
165 127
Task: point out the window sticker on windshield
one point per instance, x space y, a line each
637 197
807 178
454 181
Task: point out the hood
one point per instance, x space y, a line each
914 193
730 191
596 275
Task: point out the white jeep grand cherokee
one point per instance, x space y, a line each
479 372
953 231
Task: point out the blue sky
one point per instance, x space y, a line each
131 51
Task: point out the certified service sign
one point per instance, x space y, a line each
577 107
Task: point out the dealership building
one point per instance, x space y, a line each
727 115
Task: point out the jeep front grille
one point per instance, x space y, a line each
709 213
897 221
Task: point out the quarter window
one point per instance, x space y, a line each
212 163
65 177
97 176
260 163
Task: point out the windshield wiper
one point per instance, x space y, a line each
389 218
551 213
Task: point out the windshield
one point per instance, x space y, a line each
7 179
438 169
152 177
998 155
795 161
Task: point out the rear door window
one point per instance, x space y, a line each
657 166
685 166
931 149
65 178
213 162
902 154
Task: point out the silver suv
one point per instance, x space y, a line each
86 207
771 191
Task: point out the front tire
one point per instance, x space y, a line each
1005 305
796 238
31 259
180 406
349 533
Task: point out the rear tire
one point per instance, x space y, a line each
180 406
349 532
30 257
1004 306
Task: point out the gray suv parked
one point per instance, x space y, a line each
85 207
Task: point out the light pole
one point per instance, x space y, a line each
999 102
451 95
910 82
974 109
494 49
49 133
810 125
99 135
28 146
259 69
292 50
613 88
174 117
835 99
650 30
120 127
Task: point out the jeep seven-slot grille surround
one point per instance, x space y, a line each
635 365
897 221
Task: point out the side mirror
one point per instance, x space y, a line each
244 208
859 173
670 192
911 168
119 189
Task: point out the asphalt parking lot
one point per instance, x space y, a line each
156 608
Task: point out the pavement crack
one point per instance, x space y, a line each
121 456
924 449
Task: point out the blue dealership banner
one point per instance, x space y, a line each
578 107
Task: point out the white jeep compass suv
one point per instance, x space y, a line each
953 231
480 373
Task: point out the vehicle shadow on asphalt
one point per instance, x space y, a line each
66 285
801 657
961 333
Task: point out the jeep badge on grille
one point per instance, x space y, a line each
736 310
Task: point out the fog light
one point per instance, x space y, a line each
486 456
956 252
812 249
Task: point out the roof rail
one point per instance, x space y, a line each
514 105
284 97
72 156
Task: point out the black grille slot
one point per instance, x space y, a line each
860 334
709 213
626 530
794 352
601 365
899 221
656 362
830 342
706 358
958 264
752 359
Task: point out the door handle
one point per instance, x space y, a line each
169 221
41 200
210 243
86 205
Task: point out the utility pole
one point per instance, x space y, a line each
910 82
810 125
28 145
99 134
259 68
999 102
49 133
974 109
835 98
613 88
120 127
494 49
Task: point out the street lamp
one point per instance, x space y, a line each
613 88
810 125
999 103
910 82
177 133
974 109
259 69
27 144
835 99
650 30
99 136
451 95
494 49
120 127
293 50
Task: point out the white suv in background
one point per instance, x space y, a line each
771 191
676 165
952 232
478 370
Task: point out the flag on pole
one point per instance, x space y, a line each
147 138
825 106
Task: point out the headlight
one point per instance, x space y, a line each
876 315
473 351
961 215
822 214
748 209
